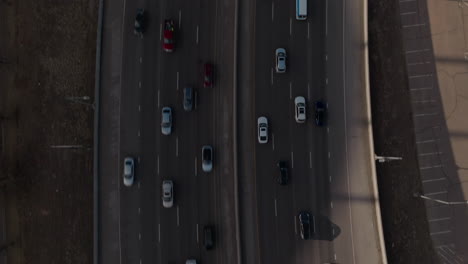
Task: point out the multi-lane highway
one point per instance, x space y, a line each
152 79
303 146
330 167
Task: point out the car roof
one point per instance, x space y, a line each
299 99
278 50
262 119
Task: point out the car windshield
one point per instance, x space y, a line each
206 154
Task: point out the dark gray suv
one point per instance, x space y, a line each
188 99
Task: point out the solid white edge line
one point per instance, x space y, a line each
345 132
326 18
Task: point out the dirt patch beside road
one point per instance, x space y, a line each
406 228
47 52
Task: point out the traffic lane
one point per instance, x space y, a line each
149 209
130 132
285 216
265 92
206 134
266 206
272 100
197 196
343 245
365 234
305 195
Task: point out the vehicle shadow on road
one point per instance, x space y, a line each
325 229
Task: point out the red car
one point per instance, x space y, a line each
208 79
168 42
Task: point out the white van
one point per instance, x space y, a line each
301 9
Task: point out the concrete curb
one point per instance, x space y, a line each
234 101
378 216
97 87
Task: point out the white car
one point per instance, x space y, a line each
207 158
167 194
166 121
128 173
280 55
300 109
262 124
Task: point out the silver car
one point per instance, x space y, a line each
167 194
280 60
128 173
166 121
207 158
300 109
191 261
262 126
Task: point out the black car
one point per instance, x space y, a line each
283 178
319 113
208 237
140 22
305 223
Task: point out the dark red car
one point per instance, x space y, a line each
208 78
168 40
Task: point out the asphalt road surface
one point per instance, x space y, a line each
152 79
303 146
329 166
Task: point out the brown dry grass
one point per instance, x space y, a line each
49 50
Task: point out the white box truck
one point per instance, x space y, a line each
301 9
